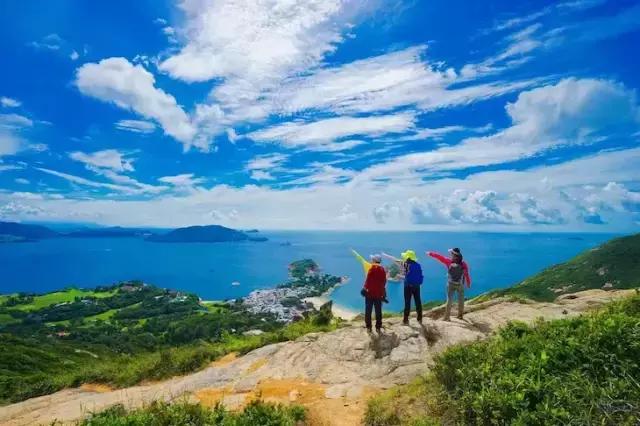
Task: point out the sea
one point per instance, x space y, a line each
222 271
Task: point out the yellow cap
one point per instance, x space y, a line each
409 254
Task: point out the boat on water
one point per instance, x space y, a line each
235 283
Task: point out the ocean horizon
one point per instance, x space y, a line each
209 269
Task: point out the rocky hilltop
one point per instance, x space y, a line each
332 374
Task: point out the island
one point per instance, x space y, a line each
203 234
13 232
19 232
110 232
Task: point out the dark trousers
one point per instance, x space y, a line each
409 292
369 304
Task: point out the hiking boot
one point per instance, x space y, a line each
369 331
446 319
405 322
459 317
379 330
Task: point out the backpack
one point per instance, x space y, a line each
455 273
413 274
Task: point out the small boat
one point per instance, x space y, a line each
235 283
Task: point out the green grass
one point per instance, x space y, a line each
584 370
214 306
179 414
68 295
614 262
7 319
105 316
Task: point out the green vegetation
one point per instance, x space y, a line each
256 413
614 262
300 269
584 370
26 302
124 334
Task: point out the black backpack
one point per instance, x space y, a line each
455 273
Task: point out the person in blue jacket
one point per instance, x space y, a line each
412 282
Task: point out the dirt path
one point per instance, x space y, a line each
332 374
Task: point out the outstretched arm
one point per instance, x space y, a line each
440 258
392 258
365 265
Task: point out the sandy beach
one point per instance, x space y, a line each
338 311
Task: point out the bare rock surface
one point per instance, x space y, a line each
332 374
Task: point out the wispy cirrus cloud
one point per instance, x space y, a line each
325 133
136 126
568 113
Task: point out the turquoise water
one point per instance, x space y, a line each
495 259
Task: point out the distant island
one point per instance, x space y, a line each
12 232
18 232
111 232
203 234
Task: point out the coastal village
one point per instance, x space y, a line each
287 301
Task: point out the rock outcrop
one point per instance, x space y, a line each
332 374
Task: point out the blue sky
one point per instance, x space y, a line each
322 114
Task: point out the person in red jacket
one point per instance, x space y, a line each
374 292
457 278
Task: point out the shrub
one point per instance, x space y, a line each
163 414
584 370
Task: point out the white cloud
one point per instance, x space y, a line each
326 132
266 162
570 112
260 167
22 181
82 181
14 121
255 41
132 87
51 42
11 140
385 82
136 126
74 55
108 159
183 181
9 102
519 198
439 132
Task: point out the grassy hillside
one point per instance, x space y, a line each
124 334
580 371
616 262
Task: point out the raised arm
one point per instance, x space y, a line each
440 258
365 265
392 258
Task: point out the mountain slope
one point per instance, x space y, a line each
200 234
28 232
615 262
332 374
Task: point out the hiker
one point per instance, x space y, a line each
412 282
374 292
457 278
